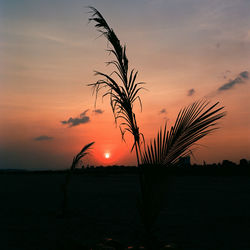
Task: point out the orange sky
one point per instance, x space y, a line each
48 53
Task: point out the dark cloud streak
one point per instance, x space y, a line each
163 111
43 138
98 111
241 78
72 122
190 92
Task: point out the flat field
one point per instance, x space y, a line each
201 212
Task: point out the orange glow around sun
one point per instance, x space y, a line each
107 155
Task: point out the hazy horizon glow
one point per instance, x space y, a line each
183 50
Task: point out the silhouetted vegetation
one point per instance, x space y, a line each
192 124
65 186
124 92
102 205
225 168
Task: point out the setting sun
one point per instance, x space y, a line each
107 155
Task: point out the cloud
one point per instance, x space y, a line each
83 118
225 75
43 138
83 114
163 111
241 78
98 111
190 92
244 75
55 39
217 45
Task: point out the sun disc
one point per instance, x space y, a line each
107 155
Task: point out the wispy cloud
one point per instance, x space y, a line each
60 39
51 38
83 118
43 138
217 45
163 111
226 73
98 111
241 78
190 92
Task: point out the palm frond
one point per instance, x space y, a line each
65 185
124 92
80 155
192 123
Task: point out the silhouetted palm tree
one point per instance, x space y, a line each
192 123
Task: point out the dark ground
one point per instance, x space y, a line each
202 212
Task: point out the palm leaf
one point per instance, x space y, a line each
192 123
65 185
80 155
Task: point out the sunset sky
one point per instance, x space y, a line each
183 49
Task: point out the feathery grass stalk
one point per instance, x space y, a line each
124 92
65 185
